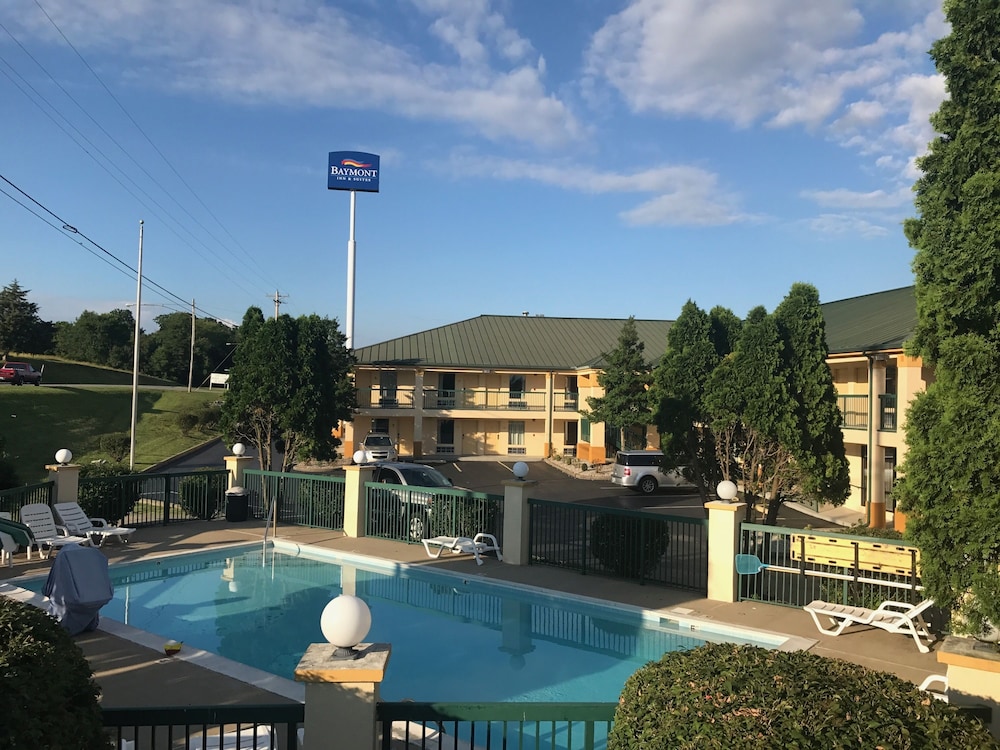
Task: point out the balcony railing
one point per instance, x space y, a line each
386 398
484 399
887 412
853 412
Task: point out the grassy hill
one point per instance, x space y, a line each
36 422
66 372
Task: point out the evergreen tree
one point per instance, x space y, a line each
678 393
19 320
818 442
950 486
626 379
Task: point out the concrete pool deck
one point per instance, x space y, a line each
133 674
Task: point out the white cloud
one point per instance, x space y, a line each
680 195
841 198
840 224
782 63
486 76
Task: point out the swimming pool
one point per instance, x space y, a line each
453 638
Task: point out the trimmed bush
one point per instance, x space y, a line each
729 697
187 421
203 497
116 445
48 696
629 546
454 515
112 493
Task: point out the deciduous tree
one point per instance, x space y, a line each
99 338
289 386
950 488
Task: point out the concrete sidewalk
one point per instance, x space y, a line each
133 671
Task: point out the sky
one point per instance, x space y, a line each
567 158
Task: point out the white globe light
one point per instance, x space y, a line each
345 621
64 456
726 491
239 449
520 470
359 457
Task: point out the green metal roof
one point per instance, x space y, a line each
871 322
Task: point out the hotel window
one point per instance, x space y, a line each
515 438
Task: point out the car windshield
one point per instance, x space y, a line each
425 476
378 440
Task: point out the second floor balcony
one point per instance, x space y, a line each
854 412
469 399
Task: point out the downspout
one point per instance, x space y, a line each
871 444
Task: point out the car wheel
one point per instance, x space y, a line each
647 485
417 527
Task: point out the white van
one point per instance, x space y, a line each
640 470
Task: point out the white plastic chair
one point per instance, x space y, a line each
77 522
38 517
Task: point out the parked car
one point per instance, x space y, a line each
377 446
20 373
413 508
643 471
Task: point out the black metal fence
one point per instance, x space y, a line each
793 567
409 514
225 726
155 499
301 499
636 545
12 499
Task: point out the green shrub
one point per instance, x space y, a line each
109 491
117 445
862 529
203 496
187 421
629 546
48 697
208 416
454 515
729 697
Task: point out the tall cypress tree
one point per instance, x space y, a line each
951 473
625 379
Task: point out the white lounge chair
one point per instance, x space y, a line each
894 617
941 692
38 517
98 529
462 544
229 741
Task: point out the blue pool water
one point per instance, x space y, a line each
453 639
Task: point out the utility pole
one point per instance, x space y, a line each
135 356
278 298
191 364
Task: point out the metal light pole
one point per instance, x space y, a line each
135 355
351 251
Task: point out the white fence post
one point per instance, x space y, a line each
723 544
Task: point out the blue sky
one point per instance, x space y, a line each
564 158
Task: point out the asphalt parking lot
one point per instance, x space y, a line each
551 483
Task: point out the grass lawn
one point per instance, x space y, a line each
66 372
37 422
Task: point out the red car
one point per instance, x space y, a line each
20 373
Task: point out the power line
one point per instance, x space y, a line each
149 140
93 150
65 226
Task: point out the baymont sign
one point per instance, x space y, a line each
353 170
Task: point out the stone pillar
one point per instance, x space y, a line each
723 543
515 521
341 695
235 466
355 478
973 670
67 479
